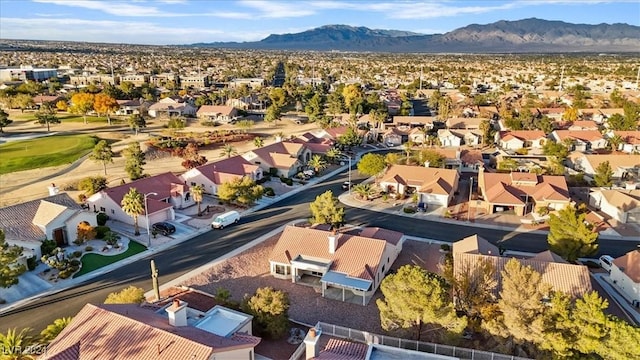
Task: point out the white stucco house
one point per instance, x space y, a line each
625 275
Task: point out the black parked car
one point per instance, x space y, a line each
163 228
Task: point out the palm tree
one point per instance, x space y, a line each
615 142
133 204
408 147
363 190
228 151
258 142
13 344
279 136
317 163
332 154
53 330
197 191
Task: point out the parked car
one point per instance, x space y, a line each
346 185
163 228
605 262
226 219
422 207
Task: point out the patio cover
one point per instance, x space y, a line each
345 281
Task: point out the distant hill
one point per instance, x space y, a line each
522 36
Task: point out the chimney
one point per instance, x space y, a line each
333 243
312 343
177 313
427 163
53 189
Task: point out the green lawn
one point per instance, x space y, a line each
91 262
66 118
43 152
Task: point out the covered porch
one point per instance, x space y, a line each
341 287
308 270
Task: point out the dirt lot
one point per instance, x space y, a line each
32 184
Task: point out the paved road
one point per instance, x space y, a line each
184 257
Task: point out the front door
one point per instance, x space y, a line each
58 236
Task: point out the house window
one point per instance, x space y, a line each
103 209
382 269
281 270
193 183
113 211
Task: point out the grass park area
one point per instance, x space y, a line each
91 262
44 152
65 118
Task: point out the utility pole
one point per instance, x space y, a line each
154 278
421 77
561 78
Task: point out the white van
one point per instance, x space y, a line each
226 219
605 262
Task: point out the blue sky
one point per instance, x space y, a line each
190 21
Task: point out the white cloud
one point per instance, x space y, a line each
274 9
111 31
113 8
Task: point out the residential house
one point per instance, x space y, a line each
196 81
519 139
332 133
50 100
465 123
433 185
135 79
253 83
217 114
172 332
623 165
164 193
128 107
625 275
245 103
54 217
395 136
630 141
172 106
554 114
605 114
581 125
622 205
285 158
344 267
210 176
411 122
582 141
521 192
470 252
449 138
317 145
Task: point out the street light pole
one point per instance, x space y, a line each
146 213
349 174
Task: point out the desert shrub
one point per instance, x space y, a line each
445 247
92 184
130 295
102 218
77 253
88 248
409 210
75 263
101 231
273 171
269 192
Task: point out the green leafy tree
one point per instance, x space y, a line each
245 125
371 164
590 322
604 175
105 105
332 155
4 120
15 345
335 103
129 295
134 160
272 114
278 97
81 103
615 141
23 101
177 122
47 116
570 235
228 151
392 158
242 190
133 205
270 310
10 269
198 193
317 163
326 209
507 163
353 97
487 132
349 138
137 122
434 158
472 286
520 306
92 184
54 329
315 107
103 153
414 297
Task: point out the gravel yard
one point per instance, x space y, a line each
248 271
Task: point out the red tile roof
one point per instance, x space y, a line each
354 254
475 244
215 109
393 237
524 135
509 188
582 135
343 350
162 184
629 264
128 331
426 179
227 169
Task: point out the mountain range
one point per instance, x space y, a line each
521 36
